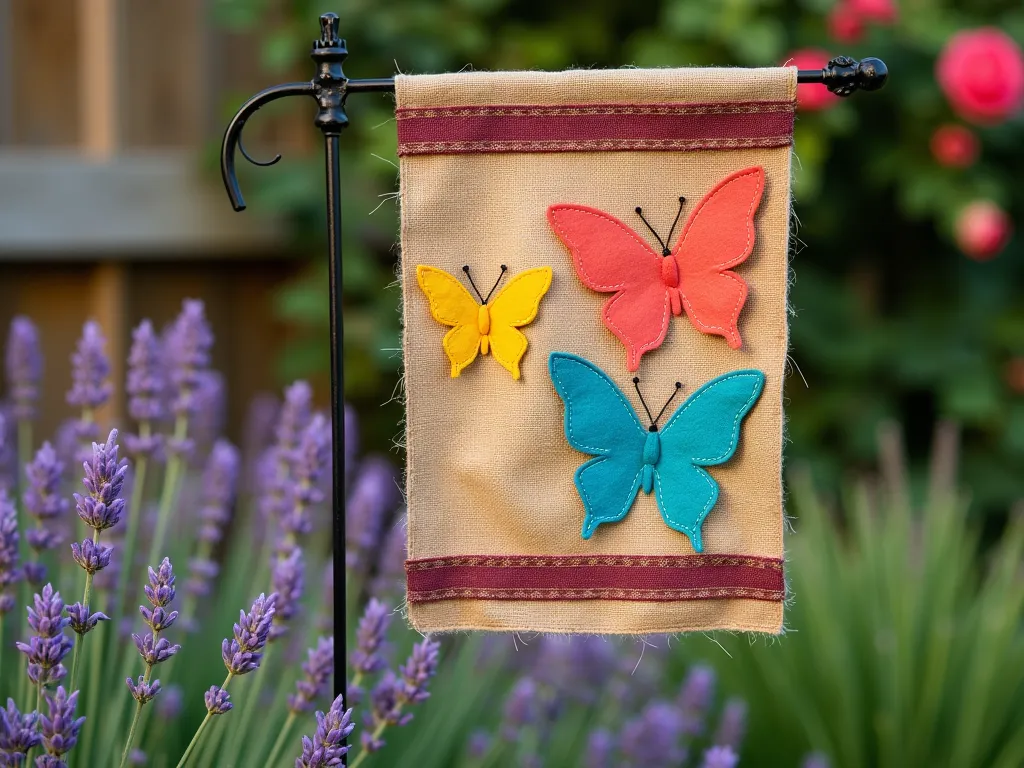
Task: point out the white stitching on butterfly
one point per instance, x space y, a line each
619 287
751 234
707 388
600 453
705 475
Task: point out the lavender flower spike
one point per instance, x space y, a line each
188 350
218 701
104 479
47 648
326 747
145 385
370 638
294 418
60 728
42 500
18 732
143 691
160 592
732 725
90 368
10 573
316 671
421 666
220 484
313 456
24 367
287 580
720 757
393 693
90 556
42 495
242 654
81 620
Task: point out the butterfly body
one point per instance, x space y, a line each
694 277
668 461
488 326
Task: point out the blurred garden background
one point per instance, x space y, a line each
905 402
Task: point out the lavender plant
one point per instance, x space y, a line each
183 484
241 656
100 509
90 369
42 501
152 648
24 368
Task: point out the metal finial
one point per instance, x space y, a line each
843 75
328 31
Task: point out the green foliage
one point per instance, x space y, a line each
890 319
905 644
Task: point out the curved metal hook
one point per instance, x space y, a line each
260 163
233 135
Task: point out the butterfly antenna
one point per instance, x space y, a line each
504 269
679 213
664 248
465 269
636 385
672 397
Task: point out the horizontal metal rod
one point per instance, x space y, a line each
868 75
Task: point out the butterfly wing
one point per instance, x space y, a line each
451 304
609 256
514 307
703 432
719 235
599 421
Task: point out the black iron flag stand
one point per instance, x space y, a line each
330 88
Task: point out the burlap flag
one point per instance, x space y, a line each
533 181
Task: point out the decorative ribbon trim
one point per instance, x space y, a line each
594 127
598 577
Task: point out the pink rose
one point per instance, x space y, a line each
981 71
982 230
843 24
878 11
954 146
812 96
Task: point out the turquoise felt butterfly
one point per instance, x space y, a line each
704 431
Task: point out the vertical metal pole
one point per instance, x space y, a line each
334 277
330 89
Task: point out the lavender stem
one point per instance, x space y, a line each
131 734
169 495
85 602
199 731
138 712
24 457
39 708
253 697
133 519
281 738
377 733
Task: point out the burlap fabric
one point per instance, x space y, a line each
489 471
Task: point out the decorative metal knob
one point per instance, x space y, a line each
844 75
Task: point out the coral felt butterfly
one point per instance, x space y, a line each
487 326
696 276
703 431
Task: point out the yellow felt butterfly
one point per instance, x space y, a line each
487 325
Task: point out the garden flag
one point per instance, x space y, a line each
617 242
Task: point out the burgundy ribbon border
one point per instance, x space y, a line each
594 127
598 577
